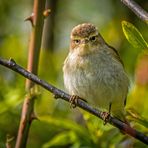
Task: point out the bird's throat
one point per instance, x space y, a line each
84 50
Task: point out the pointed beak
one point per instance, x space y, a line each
84 41
84 47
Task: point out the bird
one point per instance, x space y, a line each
94 71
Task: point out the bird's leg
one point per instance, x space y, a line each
74 100
110 105
106 115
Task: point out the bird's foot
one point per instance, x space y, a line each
74 100
105 116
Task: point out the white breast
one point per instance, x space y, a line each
98 78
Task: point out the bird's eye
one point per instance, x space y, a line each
76 41
93 38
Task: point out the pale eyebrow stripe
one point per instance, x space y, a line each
75 37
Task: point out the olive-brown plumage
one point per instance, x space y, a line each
94 71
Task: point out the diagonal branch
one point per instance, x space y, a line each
139 11
61 94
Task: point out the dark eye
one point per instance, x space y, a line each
76 41
93 38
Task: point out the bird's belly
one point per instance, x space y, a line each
98 88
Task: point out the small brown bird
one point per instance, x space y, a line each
94 71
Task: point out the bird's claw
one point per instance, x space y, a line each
105 116
74 100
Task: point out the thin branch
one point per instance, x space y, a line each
49 26
139 11
37 21
61 94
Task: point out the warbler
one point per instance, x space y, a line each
94 71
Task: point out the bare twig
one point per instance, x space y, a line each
61 94
37 20
141 13
49 26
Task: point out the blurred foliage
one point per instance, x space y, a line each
58 125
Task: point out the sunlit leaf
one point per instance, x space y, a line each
62 139
69 125
12 99
134 115
133 35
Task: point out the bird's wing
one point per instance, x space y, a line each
116 54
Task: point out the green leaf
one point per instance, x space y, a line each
62 139
133 35
64 123
12 99
73 131
134 115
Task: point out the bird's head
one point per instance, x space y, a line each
85 39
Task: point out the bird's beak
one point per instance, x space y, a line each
85 41
85 44
84 47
